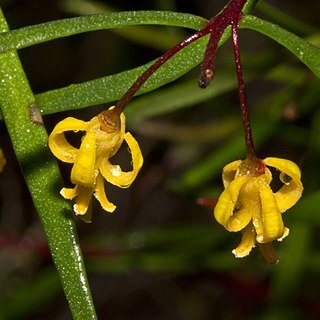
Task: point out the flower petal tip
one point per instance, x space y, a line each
68 193
241 254
285 234
79 210
105 203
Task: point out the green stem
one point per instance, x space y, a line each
29 139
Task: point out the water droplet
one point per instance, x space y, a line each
284 178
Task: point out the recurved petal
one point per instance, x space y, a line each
115 175
268 175
58 144
82 201
83 170
101 196
249 205
229 172
272 224
69 193
239 220
290 175
247 242
227 201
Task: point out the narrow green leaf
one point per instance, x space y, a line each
113 87
145 35
306 52
285 19
35 34
29 139
250 4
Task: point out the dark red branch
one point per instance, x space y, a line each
154 67
231 13
242 95
215 28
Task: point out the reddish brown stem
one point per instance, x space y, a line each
232 12
215 28
242 94
154 67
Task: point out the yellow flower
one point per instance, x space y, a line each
104 135
248 203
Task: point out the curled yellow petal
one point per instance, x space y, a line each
239 219
229 172
247 242
248 203
83 199
83 196
292 189
83 171
115 175
227 201
101 196
69 193
104 135
58 144
272 223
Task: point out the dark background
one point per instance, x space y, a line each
161 256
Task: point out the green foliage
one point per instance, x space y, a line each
40 172
178 250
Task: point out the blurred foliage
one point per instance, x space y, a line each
161 256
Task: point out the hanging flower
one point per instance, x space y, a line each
248 203
104 135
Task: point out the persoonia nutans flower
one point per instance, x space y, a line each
248 203
91 162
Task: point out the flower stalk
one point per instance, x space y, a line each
105 133
242 95
231 14
248 203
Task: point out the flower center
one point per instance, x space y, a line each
251 167
109 121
